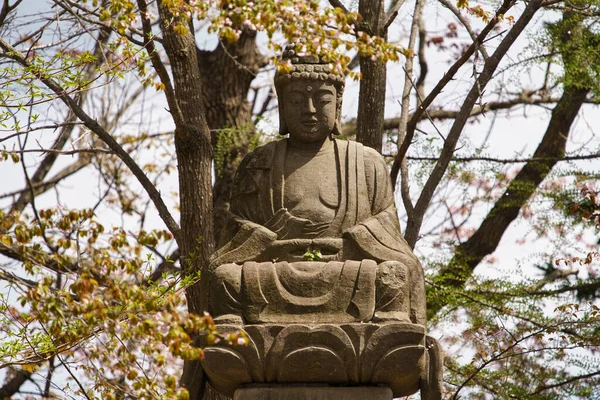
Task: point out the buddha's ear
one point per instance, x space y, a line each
283 129
337 125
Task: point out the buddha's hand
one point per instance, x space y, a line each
295 249
289 249
287 226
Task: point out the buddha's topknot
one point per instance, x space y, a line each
307 66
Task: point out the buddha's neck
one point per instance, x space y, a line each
312 148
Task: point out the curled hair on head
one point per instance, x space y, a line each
308 67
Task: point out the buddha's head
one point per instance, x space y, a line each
310 98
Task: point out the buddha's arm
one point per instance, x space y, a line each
242 240
379 237
245 240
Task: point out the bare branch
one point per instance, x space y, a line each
408 71
414 223
61 152
37 128
91 124
37 258
566 382
41 187
392 13
13 385
509 160
590 286
158 65
6 9
412 124
17 280
338 4
69 5
485 240
465 23
496 357
66 130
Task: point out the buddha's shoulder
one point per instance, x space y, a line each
262 156
370 156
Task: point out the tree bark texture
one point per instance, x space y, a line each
371 98
227 72
194 163
14 383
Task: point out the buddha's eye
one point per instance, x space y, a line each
295 100
325 100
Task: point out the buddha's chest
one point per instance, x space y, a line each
311 188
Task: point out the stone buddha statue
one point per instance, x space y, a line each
313 236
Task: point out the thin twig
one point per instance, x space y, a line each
465 23
106 137
506 160
62 152
448 76
408 70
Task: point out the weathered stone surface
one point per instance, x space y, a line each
394 355
269 392
354 315
269 221
308 291
311 292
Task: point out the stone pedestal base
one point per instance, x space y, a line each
354 356
279 392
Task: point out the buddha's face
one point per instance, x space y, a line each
309 109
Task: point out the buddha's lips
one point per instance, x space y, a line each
311 122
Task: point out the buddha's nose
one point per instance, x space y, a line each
309 106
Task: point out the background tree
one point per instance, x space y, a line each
92 305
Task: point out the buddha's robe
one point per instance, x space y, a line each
365 219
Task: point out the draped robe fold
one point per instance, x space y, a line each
366 214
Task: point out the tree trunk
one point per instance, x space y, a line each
371 98
194 163
227 72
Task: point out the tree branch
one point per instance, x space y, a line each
508 160
67 129
91 124
541 389
42 187
527 97
157 63
412 124
485 240
408 73
338 4
470 253
414 223
465 23
392 13
13 385
60 152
